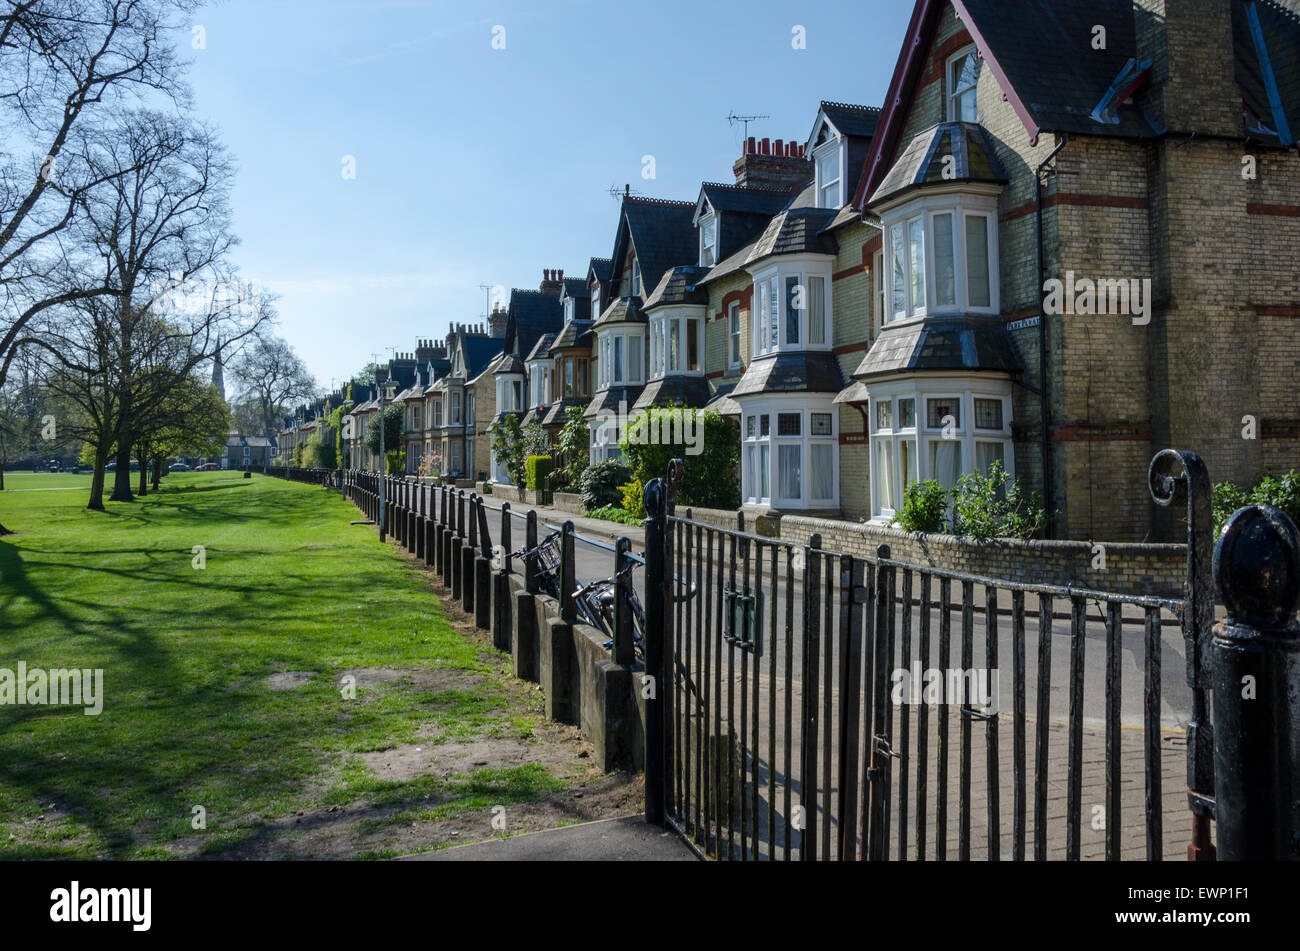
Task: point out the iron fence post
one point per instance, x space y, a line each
1193 487
530 559
568 579
623 648
505 536
1255 676
654 497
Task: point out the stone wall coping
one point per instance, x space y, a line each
965 541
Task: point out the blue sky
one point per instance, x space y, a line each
477 165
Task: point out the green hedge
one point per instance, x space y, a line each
537 468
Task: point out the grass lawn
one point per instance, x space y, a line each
225 686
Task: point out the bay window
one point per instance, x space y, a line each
792 307
942 257
935 429
676 342
790 455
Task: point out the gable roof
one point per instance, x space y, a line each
1041 53
478 351
848 119
600 269
577 288
661 232
531 314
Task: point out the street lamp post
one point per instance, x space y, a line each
385 389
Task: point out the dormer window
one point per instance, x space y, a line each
636 279
595 301
963 78
830 173
570 309
708 240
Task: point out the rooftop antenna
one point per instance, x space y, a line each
619 194
487 300
732 119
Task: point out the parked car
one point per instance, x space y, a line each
207 467
178 467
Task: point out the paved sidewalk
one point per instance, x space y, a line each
625 839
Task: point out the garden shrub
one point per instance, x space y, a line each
925 507
995 506
600 483
537 469
1282 493
711 479
633 502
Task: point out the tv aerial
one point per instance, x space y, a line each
732 119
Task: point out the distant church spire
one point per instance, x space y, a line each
218 376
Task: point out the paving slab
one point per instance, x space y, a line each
623 839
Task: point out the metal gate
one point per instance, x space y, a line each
824 705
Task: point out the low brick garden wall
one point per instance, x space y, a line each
1157 570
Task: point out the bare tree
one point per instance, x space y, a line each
66 66
271 376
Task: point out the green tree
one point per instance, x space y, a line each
572 448
393 416
508 446
656 436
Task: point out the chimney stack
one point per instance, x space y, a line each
497 323
551 283
1193 86
778 164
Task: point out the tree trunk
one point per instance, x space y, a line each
157 473
144 473
96 502
122 477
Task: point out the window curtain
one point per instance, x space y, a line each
883 473
945 461
790 461
823 470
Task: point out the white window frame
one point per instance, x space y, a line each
763 311
752 445
964 392
833 145
709 250
961 205
663 325
951 95
734 356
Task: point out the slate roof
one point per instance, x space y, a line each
690 391
662 232
557 411
722 403
531 314
479 352
253 441
797 372
510 363
936 344
850 119
543 348
608 400
576 287
571 335
623 310
600 269
746 200
923 161
679 285
1041 51
1280 30
796 231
